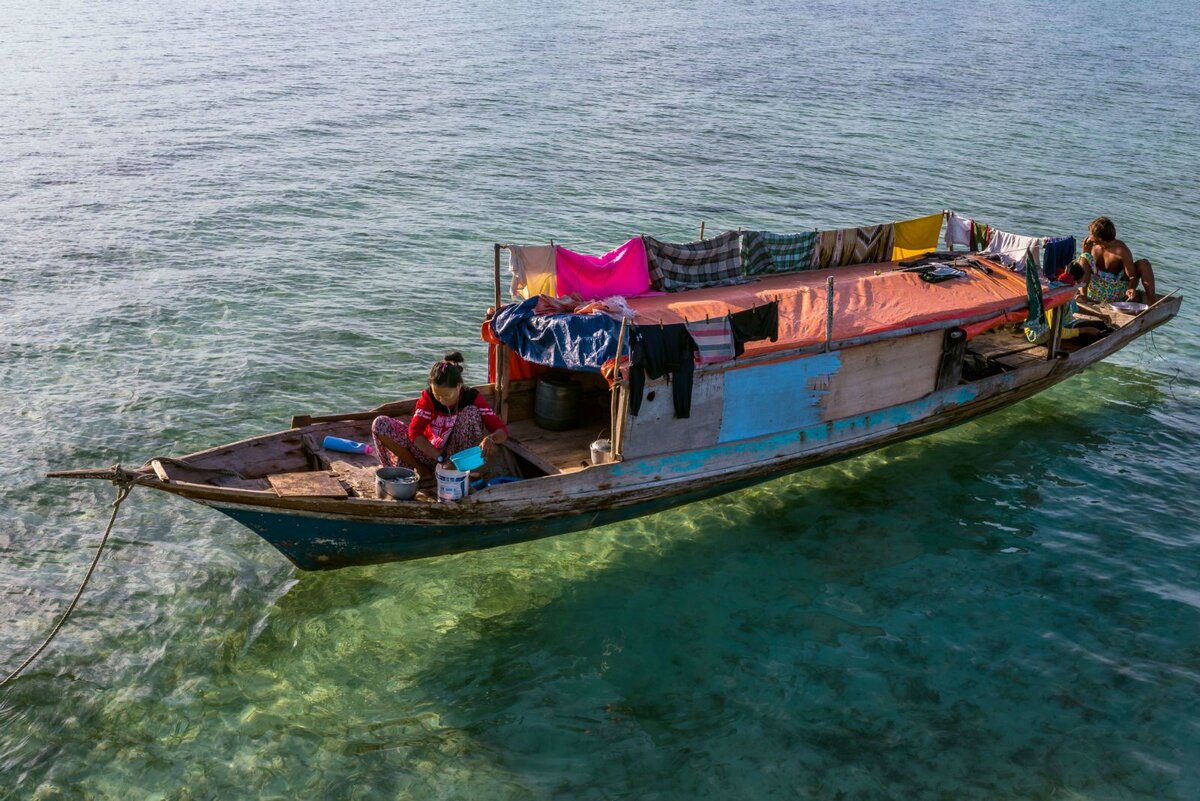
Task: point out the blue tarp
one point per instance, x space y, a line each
570 341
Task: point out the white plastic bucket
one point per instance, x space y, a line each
452 485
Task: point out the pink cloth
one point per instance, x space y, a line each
620 272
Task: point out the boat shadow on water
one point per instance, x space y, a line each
620 656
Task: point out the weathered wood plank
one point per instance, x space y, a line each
883 374
317 485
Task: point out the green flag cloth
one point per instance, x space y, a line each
1036 329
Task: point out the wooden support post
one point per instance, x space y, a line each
496 262
1055 333
702 229
502 380
829 314
618 384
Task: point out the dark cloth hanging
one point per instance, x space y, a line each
660 350
1057 254
761 322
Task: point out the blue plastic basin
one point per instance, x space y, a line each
469 459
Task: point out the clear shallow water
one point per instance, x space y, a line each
215 217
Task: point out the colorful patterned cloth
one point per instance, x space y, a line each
714 340
765 252
827 249
710 262
846 246
1107 287
466 430
872 243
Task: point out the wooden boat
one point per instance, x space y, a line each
836 386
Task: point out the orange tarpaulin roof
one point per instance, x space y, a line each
864 303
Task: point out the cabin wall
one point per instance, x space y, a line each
741 401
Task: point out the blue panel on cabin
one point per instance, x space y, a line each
770 398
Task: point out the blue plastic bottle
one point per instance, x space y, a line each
346 445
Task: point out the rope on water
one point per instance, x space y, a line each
125 483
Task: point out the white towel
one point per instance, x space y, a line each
533 271
1011 249
958 230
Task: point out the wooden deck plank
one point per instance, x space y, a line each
314 485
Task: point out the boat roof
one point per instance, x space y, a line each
868 299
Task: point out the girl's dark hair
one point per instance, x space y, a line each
447 372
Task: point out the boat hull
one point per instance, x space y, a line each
330 542
326 534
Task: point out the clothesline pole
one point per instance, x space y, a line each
616 430
828 314
496 264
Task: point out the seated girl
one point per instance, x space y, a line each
449 418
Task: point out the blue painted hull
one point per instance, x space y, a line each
328 543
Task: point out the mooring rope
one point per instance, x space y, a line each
125 483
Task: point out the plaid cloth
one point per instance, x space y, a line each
765 252
706 263
714 340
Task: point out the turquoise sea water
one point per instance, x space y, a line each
214 216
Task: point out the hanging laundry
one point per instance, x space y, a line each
571 341
827 249
751 325
980 233
1036 328
871 243
710 262
1012 249
916 237
765 252
958 230
619 272
532 268
660 350
714 340
1057 254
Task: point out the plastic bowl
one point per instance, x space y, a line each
470 459
396 482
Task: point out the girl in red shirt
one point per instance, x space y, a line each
449 417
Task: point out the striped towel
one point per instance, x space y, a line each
765 252
872 243
708 262
714 340
845 246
